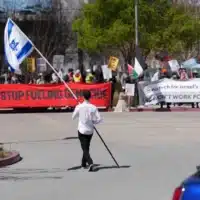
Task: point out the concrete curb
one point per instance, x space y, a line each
178 109
12 159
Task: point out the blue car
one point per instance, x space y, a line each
189 189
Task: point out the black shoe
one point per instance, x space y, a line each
84 166
91 168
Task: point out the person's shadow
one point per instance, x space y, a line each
98 167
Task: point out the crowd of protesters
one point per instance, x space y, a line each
95 75
88 76
75 76
161 72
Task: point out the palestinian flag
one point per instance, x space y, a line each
135 71
130 69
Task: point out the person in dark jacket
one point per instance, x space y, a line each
113 81
98 74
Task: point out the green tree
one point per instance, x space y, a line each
106 25
181 33
109 25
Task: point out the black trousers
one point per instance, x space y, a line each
85 145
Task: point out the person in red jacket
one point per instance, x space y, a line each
69 77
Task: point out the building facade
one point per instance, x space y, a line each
190 2
35 16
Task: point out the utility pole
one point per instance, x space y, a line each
136 97
136 23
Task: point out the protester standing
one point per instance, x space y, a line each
98 74
14 79
183 74
195 75
113 82
89 79
69 76
88 116
55 78
77 77
40 80
61 74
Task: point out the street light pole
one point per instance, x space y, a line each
136 97
136 23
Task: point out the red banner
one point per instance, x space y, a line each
22 95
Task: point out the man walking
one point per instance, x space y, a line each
88 116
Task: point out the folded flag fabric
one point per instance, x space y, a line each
135 71
130 69
138 71
16 45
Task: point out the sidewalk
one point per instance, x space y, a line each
157 108
132 109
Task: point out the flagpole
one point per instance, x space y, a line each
136 96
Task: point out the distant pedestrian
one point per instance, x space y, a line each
88 116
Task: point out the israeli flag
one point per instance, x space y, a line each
17 46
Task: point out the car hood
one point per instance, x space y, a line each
194 179
191 188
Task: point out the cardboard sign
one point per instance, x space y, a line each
107 73
174 65
31 65
58 61
41 65
130 89
113 63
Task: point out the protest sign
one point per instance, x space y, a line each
31 65
107 73
174 65
113 63
58 61
41 65
170 91
130 89
189 63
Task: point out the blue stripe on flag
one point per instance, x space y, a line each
11 69
10 26
23 53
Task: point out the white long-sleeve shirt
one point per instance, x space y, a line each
88 116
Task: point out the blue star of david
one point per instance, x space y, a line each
13 45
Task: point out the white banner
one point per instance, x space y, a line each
171 91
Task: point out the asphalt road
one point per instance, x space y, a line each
160 148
